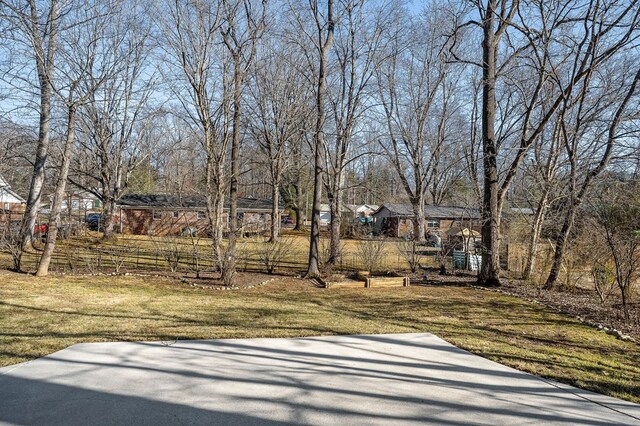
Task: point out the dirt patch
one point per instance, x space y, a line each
243 280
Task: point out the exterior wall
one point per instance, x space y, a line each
14 207
159 222
9 202
390 224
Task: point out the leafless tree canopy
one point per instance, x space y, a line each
492 104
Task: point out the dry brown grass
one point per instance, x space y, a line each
40 316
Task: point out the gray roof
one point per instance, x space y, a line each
398 209
451 212
434 212
162 201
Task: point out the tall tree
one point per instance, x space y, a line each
322 39
411 82
242 25
190 33
80 53
113 119
560 45
37 24
279 111
357 43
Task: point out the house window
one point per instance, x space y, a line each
433 223
6 206
157 214
176 214
202 215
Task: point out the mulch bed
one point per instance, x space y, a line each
580 302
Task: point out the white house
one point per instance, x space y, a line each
353 210
81 201
9 200
362 210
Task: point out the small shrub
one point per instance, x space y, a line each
168 248
273 254
410 251
604 280
10 243
370 252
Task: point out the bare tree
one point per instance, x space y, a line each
279 110
114 125
37 24
617 213
562 46
79 54
601 148
410 84
359 36
242 25
321 37
190 32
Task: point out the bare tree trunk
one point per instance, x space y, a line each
56 208
45 67
490 270
229 264
335 207
561 245
418 220
297 208
37 181
313 269
536 229
275 210
586 184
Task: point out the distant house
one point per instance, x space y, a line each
362 210
82 201
350 211
396 220
9 199
158 214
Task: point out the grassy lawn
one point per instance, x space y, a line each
38 317
142 253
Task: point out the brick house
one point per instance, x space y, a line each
396 220
158 214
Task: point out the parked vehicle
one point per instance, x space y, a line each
95 221
286 220
92 217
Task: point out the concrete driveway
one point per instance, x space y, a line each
370 379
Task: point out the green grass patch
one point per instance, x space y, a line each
41 316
